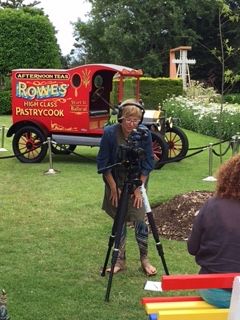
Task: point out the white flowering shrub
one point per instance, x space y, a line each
198 90
206 118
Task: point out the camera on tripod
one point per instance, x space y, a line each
132 152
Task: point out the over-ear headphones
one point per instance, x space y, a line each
130 103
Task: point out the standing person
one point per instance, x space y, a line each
215 236
130 117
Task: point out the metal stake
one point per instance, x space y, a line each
2 142
234 143
50 170
210 164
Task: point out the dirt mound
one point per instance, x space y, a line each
174 218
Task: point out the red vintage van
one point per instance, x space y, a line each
70 106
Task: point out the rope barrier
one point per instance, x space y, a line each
181 158
234 143
223 153
23 153
62 147
214 144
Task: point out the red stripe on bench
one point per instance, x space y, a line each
198 281
170 299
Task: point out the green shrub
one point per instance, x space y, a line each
232 98
5 102
153 90
204 119
198 90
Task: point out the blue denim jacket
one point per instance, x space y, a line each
107 154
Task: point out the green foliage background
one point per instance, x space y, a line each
27 40
143 32
5 102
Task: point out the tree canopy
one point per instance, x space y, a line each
27 40
16 4
140 34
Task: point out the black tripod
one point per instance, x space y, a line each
154 229
129 186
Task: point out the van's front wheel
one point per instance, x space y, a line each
28 144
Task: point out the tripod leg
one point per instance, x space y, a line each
154 229
111 241
110 245
157 240
123 206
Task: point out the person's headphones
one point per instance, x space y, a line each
129 103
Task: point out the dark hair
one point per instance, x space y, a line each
228 179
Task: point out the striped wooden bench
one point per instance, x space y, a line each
193 307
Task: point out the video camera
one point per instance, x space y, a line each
131 152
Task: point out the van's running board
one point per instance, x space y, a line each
77 140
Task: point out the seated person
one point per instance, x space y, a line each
215 236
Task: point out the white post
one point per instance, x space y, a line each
3 137
210 164
183 57
50 170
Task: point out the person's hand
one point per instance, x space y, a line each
114 196
137 198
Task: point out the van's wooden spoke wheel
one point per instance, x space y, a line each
160 150
177 143
28 144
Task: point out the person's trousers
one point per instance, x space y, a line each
141 235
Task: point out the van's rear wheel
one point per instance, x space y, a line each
160 150
177 143
63 148
28 144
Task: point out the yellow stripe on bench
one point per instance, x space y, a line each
194 314
155 307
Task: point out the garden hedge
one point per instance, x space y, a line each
5 102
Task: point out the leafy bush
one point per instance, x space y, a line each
198 90
153 90
232 98
5 102
204 119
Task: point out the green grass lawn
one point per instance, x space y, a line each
54 236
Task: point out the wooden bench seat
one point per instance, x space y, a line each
194 314
193 307
169 299
157 306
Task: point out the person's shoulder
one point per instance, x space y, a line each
207 204
143 128
211 201
227 202
111 128
211 204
